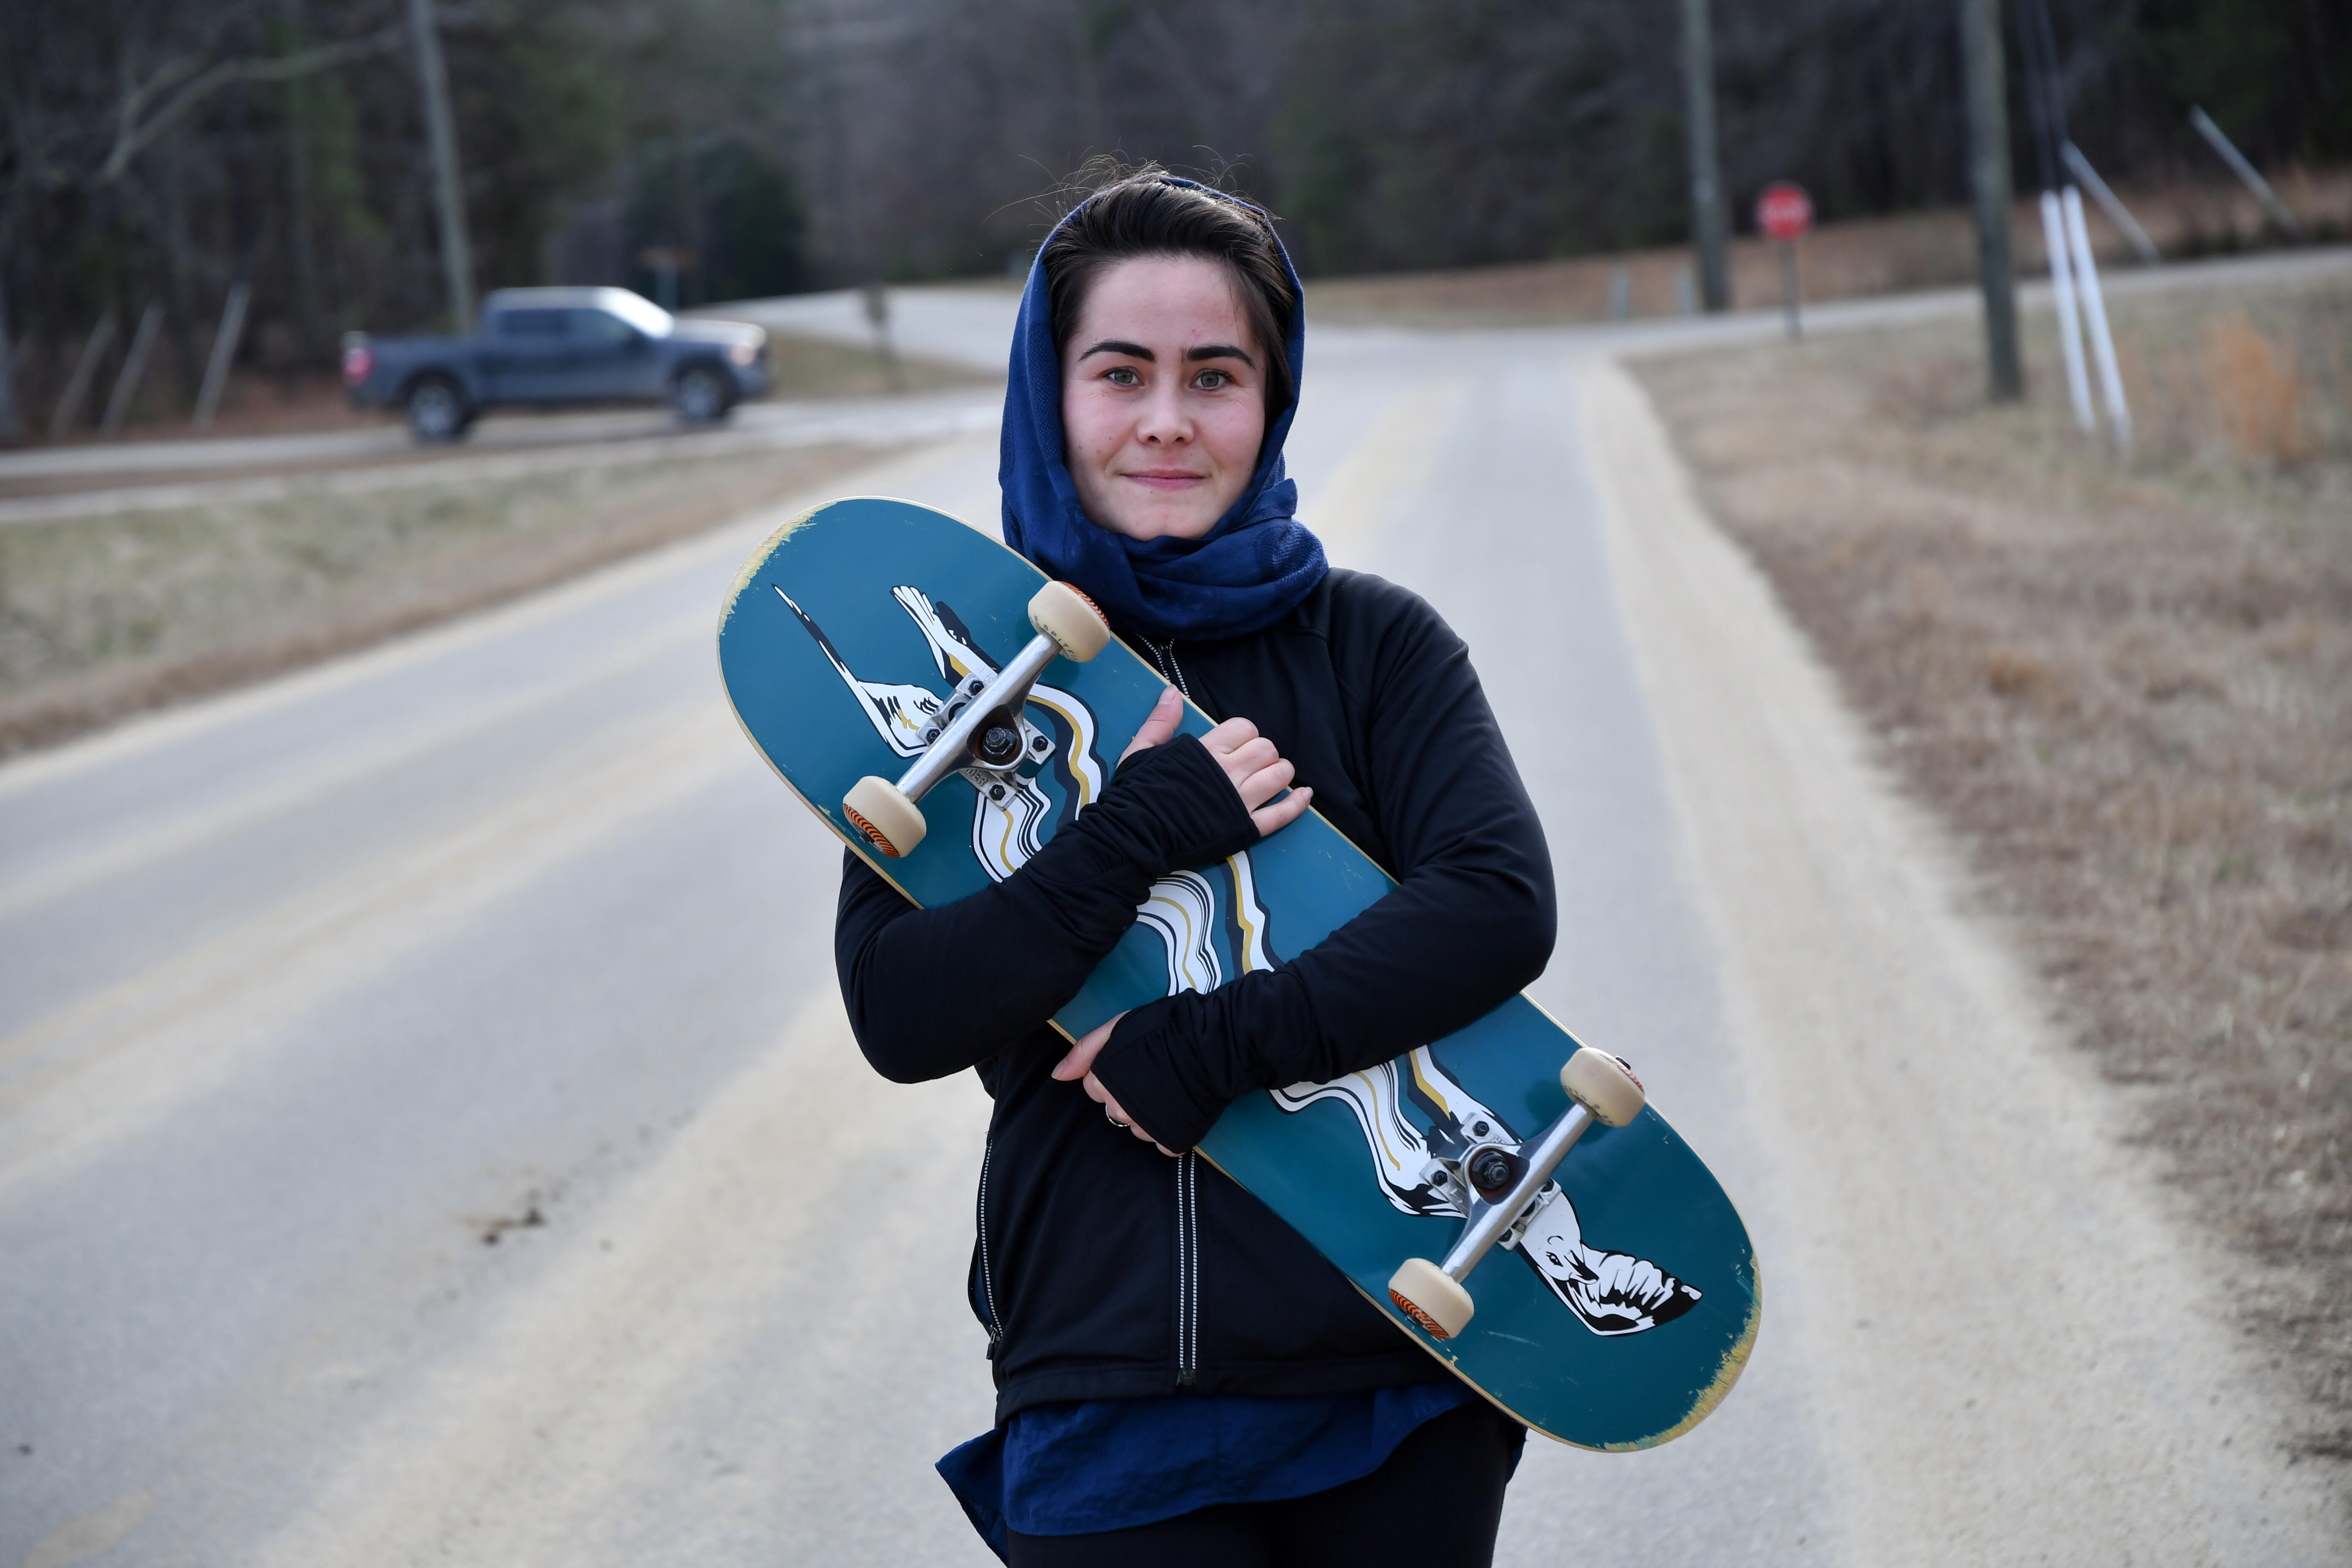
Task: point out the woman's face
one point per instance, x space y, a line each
1164 397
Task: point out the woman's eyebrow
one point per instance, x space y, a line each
1114 346
1220 351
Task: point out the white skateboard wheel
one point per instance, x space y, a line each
1069 617
891 823
1431 1298
1604 1086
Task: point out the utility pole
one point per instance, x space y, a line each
1710 211
12 423
448 191
1988 104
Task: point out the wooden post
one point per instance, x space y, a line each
1710 210
877 299
1988 179
448 191
12 423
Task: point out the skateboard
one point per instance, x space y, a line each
1505 1194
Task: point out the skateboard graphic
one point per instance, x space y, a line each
945 709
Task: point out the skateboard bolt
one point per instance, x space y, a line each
1040 744
1000 742
1490 1171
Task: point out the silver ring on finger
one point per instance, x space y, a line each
1115 1121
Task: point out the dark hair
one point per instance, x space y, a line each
1153 213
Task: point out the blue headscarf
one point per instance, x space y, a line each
1242 576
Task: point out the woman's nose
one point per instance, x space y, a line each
1164 421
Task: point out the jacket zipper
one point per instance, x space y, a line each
1163 659
1188 1225
987 1271
1188 1269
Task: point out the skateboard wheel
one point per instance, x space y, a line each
1069 617
890 822
1431 1298
1604 1086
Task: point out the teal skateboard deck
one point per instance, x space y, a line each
1622 1298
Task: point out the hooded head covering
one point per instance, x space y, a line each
1242 576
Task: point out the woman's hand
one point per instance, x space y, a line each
1079 1062
1257 770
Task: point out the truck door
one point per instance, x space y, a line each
610 358
523 355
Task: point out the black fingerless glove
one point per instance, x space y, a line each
1166 808
1152 1065
1170 806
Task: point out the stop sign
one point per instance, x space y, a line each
1783 211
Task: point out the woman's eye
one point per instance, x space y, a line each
1122 375
1210 380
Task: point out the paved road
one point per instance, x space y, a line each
428 1131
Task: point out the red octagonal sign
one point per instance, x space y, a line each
1783 211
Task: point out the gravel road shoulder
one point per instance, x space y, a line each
2024 1352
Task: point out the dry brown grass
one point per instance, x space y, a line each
102 617
2130 688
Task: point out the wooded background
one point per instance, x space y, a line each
165 150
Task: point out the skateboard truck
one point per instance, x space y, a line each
1501 1187
979 724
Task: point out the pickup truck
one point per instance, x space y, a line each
542 347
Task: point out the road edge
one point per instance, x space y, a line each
1984 1266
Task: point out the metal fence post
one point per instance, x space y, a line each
231 328
85 371
134 368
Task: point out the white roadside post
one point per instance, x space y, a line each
2103 346
2070 328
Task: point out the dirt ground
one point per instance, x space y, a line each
102 617
2128 683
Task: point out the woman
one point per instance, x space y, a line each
1180 1378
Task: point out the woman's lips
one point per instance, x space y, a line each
1165 478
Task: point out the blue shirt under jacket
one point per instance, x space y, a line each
1114 1464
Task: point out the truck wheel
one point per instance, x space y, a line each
436 409
701 395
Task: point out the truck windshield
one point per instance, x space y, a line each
637 311
599 327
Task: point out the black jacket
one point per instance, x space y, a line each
1103 1268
